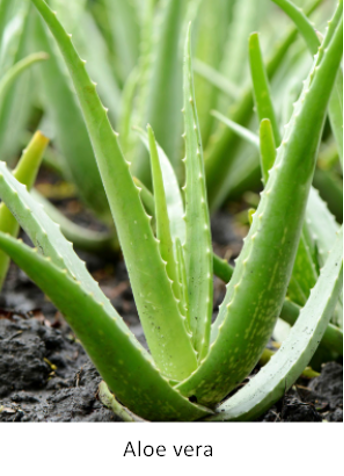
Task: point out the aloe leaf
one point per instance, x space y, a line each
257 289
72 136
174 200
14 72
267 148
164 101
25 172
304 273
321 224
261 87
333 336
109 400
161 215
313 43
147 198
330 186
167 338
198 246
295 353
183 281
221 151
120 360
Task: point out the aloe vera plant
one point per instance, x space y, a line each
193 364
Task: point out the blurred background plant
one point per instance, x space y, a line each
133 51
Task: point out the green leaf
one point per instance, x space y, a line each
71 133
333 337
198 246
218 161
256 292
286 366
262 94
161 216
119 358
25 172
313 43
158 309
174 200
267 148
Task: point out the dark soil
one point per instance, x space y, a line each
45 374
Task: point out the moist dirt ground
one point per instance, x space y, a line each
45 375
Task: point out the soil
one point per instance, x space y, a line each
45 375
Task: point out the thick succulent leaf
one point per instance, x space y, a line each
321 224
257 289
198 246
304 273
221 152
158 309
120 360
330 186
267 146
183 281
174 200
333 336
164 101
26 173
13 73
261 88
296 351
336 113
163 231
308 32
71 132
